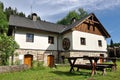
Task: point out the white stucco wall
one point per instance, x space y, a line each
69 36
40 40
91 41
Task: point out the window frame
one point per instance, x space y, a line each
83 41
51 39
29 37
100 43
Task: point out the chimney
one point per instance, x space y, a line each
73 20
34 16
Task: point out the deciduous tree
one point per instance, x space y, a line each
7 43
79 14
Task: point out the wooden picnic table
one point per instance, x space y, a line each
93 66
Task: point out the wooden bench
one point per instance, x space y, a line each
111 66
91 66
83 66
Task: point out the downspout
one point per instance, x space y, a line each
58 57
13 34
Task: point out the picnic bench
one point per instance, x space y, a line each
93 65
113 65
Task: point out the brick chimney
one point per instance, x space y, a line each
34 16
73 20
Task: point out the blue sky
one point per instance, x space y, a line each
107 11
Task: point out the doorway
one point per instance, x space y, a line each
28 60
50 60
101 56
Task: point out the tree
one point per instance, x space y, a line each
2 6
7 43
79 14
111 43
3 22
9 11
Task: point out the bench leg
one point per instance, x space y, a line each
78 69
114 68
104 72
71 69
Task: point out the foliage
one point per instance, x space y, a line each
9 11
116 44
7 43
3 22
112 44
1 5
79 14
37 65
7 47
17 62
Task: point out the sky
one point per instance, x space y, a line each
107 11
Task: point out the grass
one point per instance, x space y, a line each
59 73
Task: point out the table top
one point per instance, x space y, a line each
93 57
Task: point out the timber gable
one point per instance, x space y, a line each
92 25
89 28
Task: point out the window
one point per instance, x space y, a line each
29 37
51 39
83 42
100 43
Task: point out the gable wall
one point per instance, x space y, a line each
84 28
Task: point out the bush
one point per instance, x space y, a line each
37 65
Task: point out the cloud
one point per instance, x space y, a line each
48 8
60 6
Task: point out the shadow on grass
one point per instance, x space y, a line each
78 73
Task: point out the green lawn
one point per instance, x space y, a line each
60 73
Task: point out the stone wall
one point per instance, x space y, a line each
14 68
81 54
38 55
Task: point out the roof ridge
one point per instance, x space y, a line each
38 20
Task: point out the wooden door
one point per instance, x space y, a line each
101 56
28 60
50 60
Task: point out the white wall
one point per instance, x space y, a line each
91 41
40 40
69 36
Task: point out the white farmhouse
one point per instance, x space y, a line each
44 41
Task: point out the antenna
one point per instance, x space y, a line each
31 8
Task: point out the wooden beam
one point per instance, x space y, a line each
88 20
